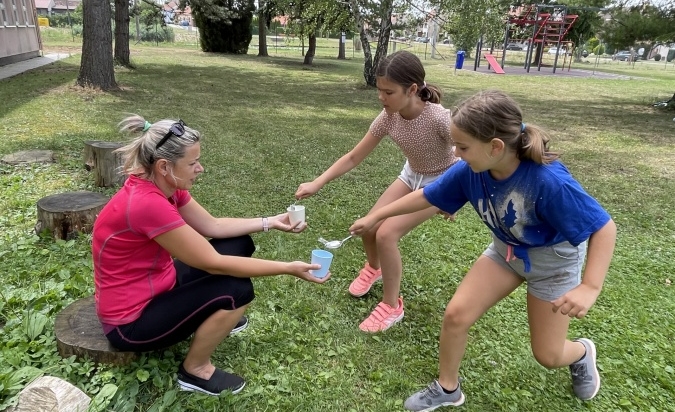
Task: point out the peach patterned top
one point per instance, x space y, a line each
425 140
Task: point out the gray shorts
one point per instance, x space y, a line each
554 270
415 180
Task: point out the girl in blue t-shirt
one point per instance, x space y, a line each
543 225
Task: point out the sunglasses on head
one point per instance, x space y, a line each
176 129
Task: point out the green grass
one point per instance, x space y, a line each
270 124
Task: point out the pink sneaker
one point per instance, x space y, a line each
367 276
383 317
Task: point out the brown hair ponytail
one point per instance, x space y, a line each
493 114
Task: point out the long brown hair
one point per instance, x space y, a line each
405 69
493 114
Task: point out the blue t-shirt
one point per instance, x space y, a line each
538 205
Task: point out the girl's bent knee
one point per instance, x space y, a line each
385 237
548 359
455 318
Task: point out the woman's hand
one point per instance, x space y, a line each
283 222
362 225
306 190
301 270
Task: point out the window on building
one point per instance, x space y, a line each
27 15
15 11
3 14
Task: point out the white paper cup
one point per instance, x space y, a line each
296 213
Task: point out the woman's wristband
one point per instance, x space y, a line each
265 224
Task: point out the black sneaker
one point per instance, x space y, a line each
219 381
241 325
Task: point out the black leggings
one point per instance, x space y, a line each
173 316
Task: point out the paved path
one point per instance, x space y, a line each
30 64
548 71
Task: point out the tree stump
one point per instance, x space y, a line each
101 157
67 214
48 393
78 332
29 156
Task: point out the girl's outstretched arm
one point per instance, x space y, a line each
340 167
579 300
409 203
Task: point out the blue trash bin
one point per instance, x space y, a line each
460 59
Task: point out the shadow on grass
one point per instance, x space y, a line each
22 88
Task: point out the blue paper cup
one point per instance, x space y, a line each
323 258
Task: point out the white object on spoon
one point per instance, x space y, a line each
334 244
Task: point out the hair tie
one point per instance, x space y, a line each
522 127
147 126
424 86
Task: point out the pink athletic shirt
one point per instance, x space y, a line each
424 140
130 268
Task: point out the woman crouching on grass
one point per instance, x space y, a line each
145 299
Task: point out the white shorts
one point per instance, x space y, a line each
415 180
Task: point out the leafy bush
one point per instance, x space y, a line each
599 49
64 20
158 34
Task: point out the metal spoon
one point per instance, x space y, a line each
334 244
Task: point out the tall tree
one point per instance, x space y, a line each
640 23
122 33
262 28
645 22
468 21
367 15
224 25
96 67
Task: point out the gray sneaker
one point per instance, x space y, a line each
433 397
585 376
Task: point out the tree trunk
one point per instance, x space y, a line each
370 65
96 68
262 29
122 33
341 48
311 50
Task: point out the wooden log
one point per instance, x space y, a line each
78 332
48 393
67 214
88 158
105 162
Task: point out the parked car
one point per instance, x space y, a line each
422 40
554 50
624 55
514 46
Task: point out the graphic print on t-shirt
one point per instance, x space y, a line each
506 216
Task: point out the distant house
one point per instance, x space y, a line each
19 33
49 7
173 14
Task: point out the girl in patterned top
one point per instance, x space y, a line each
543 226
415 120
